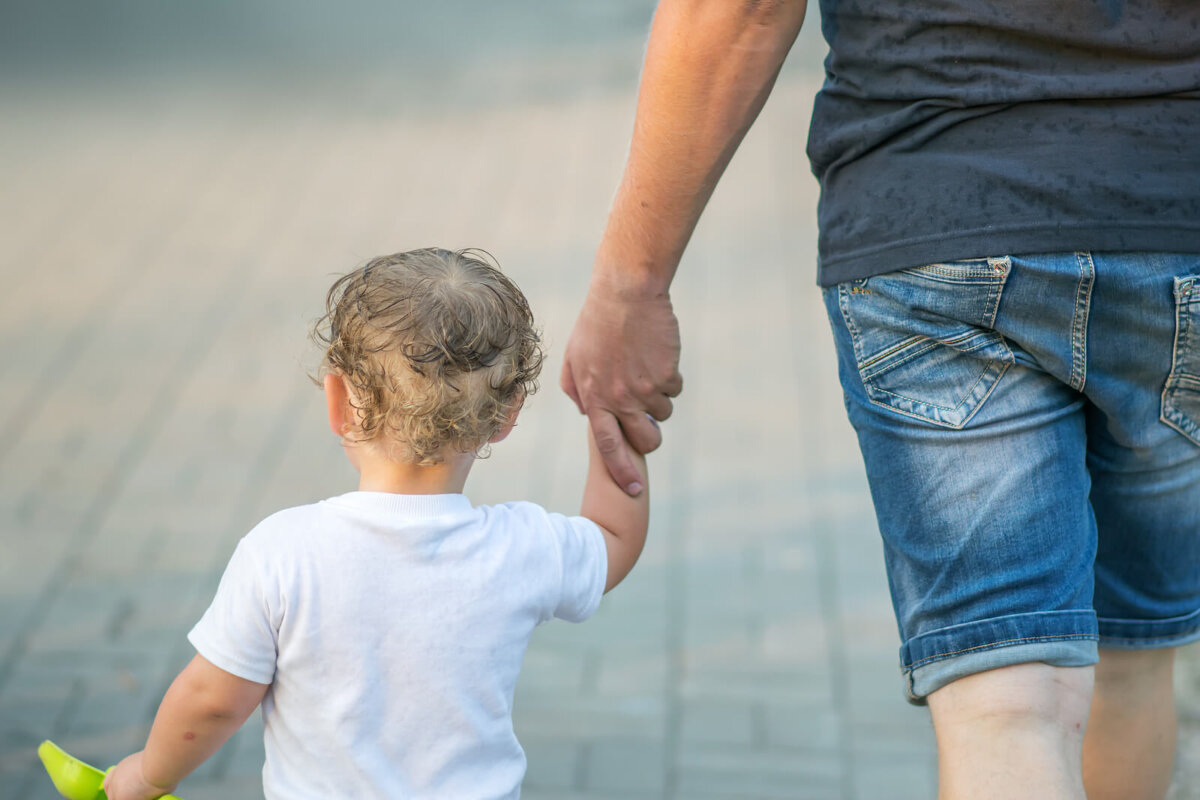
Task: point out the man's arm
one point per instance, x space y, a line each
203 708
710 65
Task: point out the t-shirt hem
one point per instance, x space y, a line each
601 560
222 661
991 242
602 564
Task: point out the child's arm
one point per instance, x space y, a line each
622 518
202 709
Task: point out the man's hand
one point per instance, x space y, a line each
622 364
125 781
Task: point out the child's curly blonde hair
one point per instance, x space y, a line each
437 349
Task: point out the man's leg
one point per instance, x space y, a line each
1144 460
1016 731
1129 749
974 443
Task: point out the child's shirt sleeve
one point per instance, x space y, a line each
584 561
238 631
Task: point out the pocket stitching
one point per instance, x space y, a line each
978 380
985 340
996 275
989 270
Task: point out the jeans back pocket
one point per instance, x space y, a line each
923 338
1181 395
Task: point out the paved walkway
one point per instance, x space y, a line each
166 237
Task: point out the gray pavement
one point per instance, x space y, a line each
169 221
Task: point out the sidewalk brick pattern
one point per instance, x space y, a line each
165 248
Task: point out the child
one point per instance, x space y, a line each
382 630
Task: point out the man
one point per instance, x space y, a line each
1010 192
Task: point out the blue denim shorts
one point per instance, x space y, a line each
1031 432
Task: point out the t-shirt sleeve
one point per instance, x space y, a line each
236 633
584 558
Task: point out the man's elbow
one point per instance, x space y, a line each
786 14
760 12
769 24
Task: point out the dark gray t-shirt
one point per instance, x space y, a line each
951 129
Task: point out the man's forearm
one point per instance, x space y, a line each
709 68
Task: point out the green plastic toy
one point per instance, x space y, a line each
74 779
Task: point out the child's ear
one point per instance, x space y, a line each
337 401
510 421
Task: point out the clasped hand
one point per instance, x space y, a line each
621 368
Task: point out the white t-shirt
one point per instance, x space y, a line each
391 629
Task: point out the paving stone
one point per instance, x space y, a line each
895 778
560 714
624 673
628 766
798 727
538 794
246 787
780 775
819 793
751 680
553 764
716 722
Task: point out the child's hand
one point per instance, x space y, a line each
126 782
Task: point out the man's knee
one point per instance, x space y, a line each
1015 731
1031 695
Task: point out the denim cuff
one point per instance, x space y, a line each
924 680
1147 634
1060 638
1007 631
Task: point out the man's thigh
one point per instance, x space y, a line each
1143 426
967 384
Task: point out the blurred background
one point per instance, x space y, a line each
180 183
